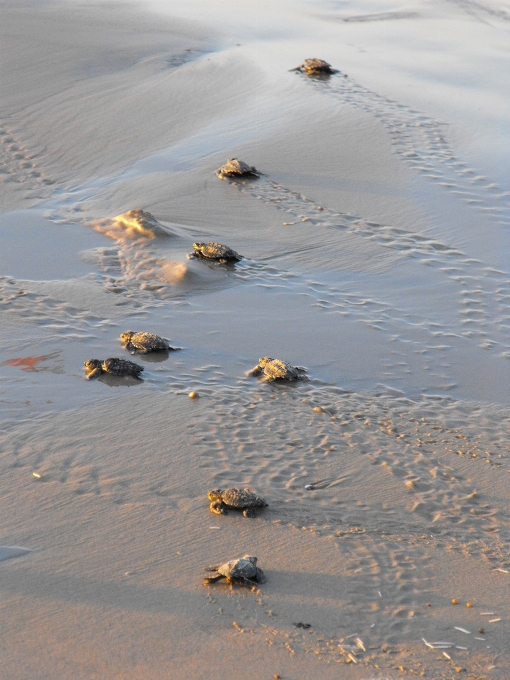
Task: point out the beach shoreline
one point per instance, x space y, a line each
374 255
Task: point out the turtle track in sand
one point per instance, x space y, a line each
428 455
478 286
397 487
19 169
421 142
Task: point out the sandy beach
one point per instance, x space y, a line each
375 255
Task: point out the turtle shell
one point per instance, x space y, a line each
277 369
316 66
241 498
215 251
144 342
116 366
243 568
236 168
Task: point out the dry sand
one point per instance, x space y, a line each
375 254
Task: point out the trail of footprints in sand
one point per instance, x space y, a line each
384 587
479 287
280 443
18 166
421 142
47 312
277 443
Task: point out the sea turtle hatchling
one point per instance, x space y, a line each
143 342
112 366
213 251
235 499
244 570
315 67
276 369
235 168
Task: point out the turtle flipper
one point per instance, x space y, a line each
241 580
212 579
94 374
250 512
261 577
255 371
218 508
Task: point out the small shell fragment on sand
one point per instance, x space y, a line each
214 527
309 487
447 656
493 620
503 571
193 395
359 643
479 638
36 475
463 630
454 601
352 658
459 647
487 613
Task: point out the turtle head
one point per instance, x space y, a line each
263 361
198 246
92 364
251 559
215 494
94 368
126 337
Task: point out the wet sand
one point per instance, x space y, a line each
375 254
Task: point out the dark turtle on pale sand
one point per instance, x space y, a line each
235 499
144 342
244 570
235 168
315 67
213 251
276 369
113 366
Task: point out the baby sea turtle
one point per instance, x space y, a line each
144 342
235 168
276 369
235 499
213 251
315 67
243 570
113 366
